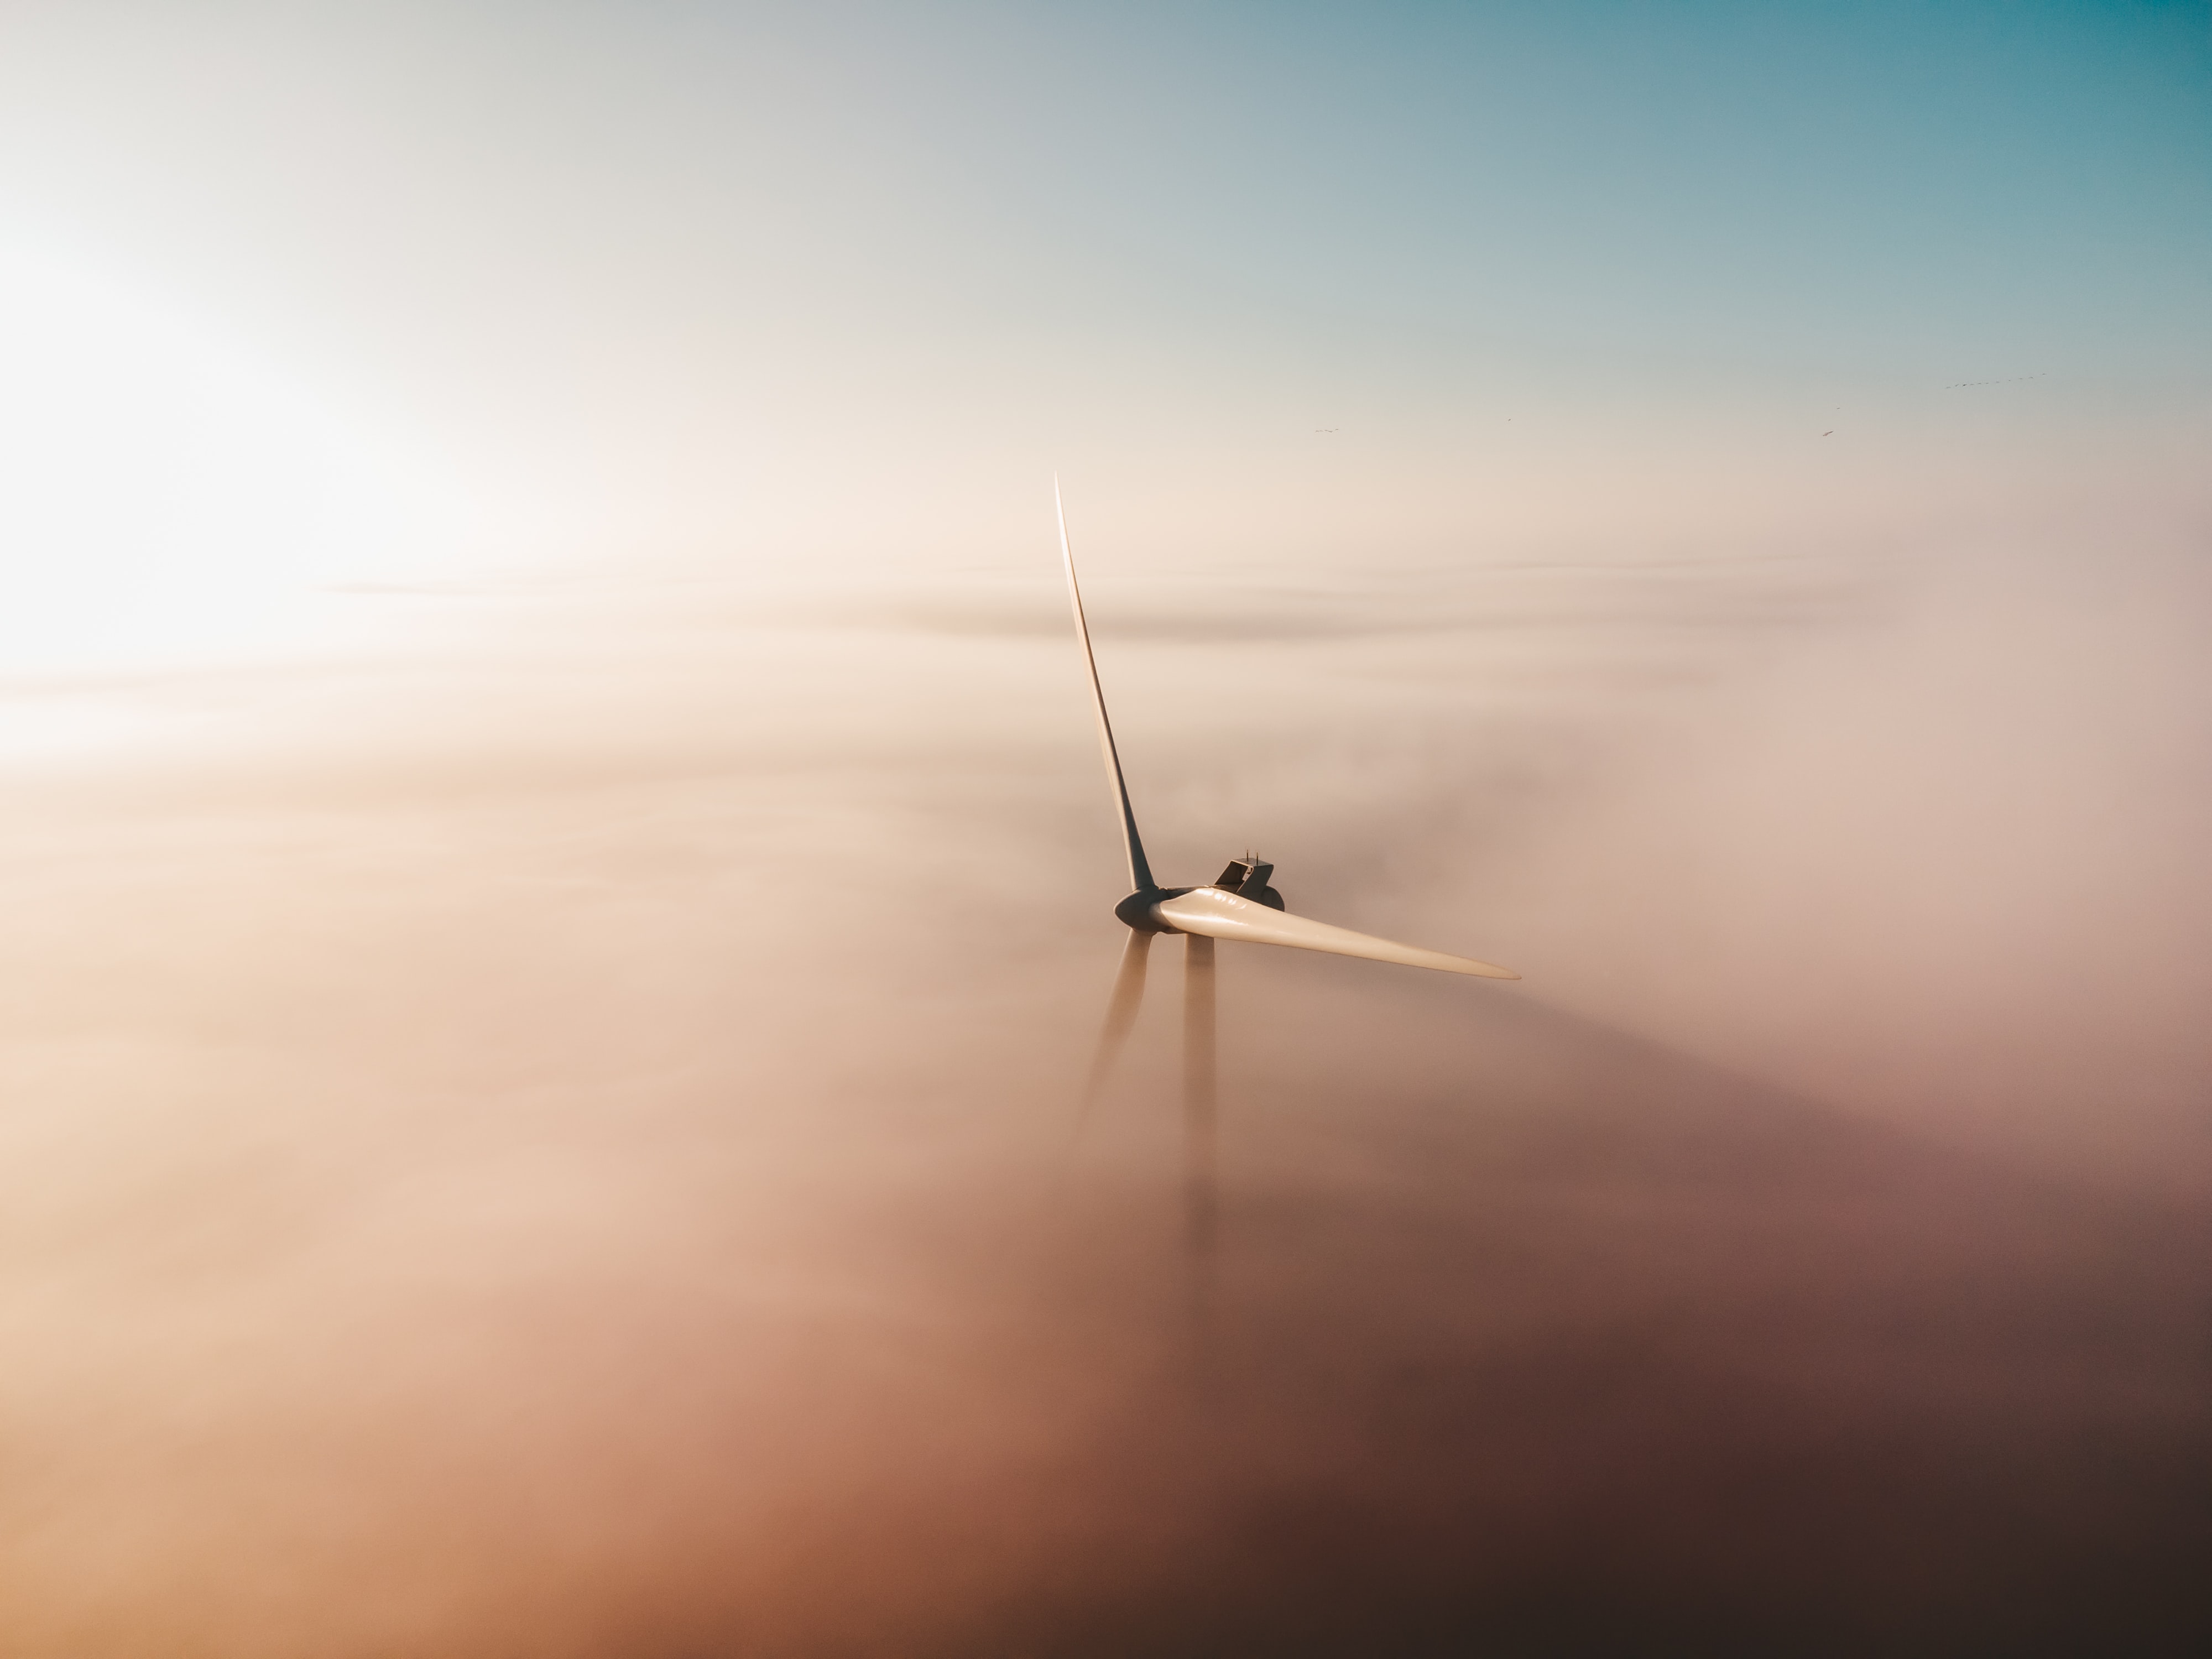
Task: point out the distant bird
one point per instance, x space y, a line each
1830 433
1327 428
1239 905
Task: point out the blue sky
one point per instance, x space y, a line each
1814 184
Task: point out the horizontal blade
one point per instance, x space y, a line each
1225 915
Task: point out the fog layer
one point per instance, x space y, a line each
559 1135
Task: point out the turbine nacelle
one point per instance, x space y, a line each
1245 877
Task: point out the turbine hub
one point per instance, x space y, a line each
1136 910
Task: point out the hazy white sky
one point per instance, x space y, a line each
753 285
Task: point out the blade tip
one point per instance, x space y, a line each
1486 969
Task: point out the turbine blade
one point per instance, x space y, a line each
1216 915
1141 873
1120 1011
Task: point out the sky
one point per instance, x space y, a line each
559 895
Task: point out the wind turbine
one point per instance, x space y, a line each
1237 904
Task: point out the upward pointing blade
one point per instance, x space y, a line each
1210 911
1141 873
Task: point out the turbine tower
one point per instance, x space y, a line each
1237 904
